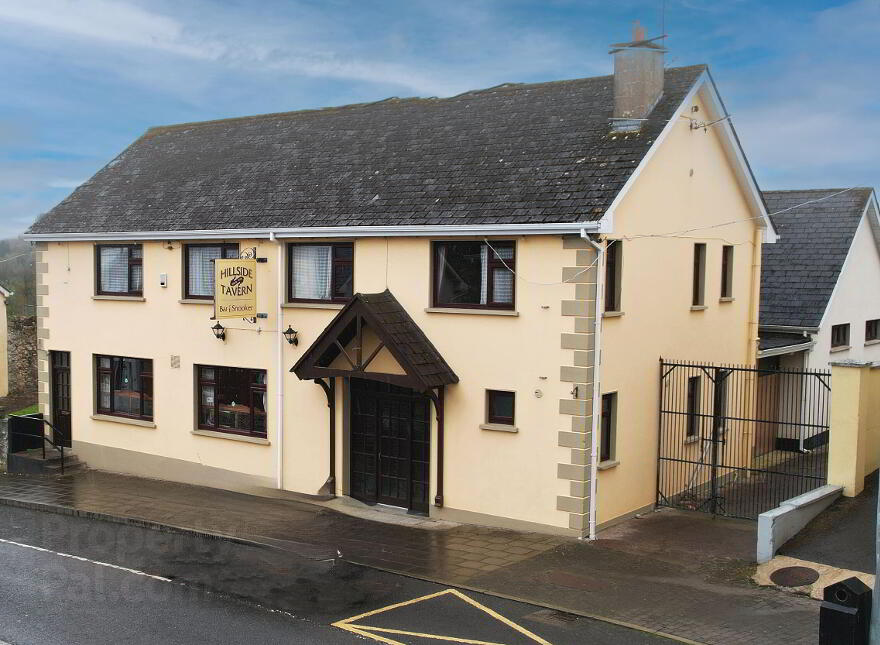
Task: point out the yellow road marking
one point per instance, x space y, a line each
402 632
348 624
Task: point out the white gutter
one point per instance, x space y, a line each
597 367
279 368
788 349
325 232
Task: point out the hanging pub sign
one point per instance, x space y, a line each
235 288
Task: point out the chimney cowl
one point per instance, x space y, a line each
638 79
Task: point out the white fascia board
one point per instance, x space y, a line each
571 228
788 328
606 224
789 349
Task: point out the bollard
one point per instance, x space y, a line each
845 614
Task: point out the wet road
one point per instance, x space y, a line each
71 580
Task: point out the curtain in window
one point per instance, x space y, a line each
502 278
114 269
484 261
441 273
310 267
200 271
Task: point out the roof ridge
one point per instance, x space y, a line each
171 127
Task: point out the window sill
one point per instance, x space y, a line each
234 437
693 439
876 341
312 305
123 420
195 301
607 464
726 299
842 348
498 427
129 298
699 307
478 312
612 314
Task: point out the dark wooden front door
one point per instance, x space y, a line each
61 398
390 445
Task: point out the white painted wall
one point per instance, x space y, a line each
856 298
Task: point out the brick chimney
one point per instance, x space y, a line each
638 79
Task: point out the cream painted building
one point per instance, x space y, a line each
429 273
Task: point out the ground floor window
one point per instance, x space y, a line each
232 399
124 386
609 427
500 406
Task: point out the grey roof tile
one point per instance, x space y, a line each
487 156
799 272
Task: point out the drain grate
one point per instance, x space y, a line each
794 576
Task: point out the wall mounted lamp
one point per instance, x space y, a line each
219 331
290 335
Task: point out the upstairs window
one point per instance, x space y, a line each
727 272
840 336
613 271
199 267
322 272
474 275
699 289
119 270
232 399
124 386
872 330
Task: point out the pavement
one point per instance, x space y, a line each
843 536
670 572
66 579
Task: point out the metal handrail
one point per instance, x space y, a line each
58 447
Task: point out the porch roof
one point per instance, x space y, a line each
423 365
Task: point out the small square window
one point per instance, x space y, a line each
872 330
321 272
500 407
199 267
119 270
840 335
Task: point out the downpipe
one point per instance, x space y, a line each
597 366
279 365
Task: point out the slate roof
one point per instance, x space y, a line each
776 340
799 272
516 153
403 337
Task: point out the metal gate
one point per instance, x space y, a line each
738 440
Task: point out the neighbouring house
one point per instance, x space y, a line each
820 293
435 281
5 294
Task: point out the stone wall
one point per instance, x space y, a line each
22 347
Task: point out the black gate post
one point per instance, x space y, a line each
717 407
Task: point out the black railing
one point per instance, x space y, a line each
23 436
737 440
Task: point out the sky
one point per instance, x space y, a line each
82 79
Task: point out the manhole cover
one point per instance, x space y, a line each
794 576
